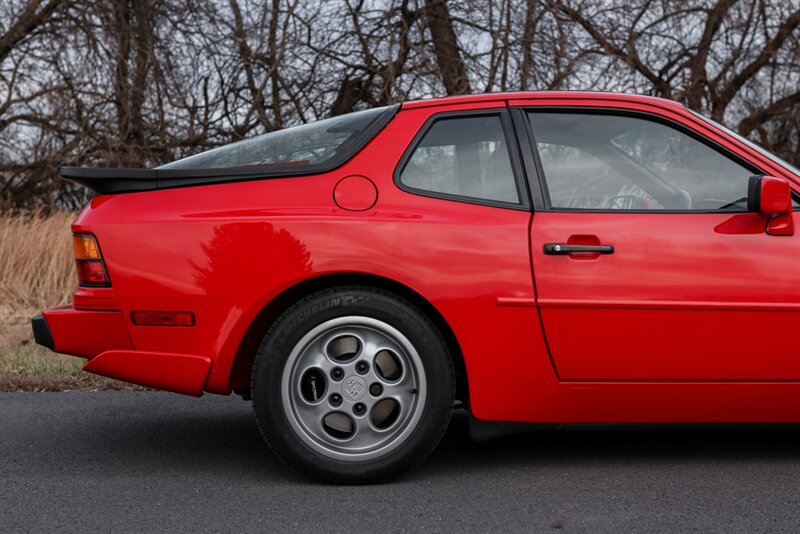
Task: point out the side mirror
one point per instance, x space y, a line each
772 197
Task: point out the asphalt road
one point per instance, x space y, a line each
144 461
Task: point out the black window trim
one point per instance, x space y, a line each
512 142
530 158
535 168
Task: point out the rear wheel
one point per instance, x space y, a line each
353 385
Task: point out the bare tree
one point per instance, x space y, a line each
445 44
143 82
736 61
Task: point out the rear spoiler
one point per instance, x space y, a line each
115 181
108 181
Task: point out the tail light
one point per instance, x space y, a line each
89 261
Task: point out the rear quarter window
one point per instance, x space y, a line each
466 157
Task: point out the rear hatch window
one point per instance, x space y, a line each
313 144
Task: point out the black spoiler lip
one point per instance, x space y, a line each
108 181
113 181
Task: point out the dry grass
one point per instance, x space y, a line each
36 267
37 272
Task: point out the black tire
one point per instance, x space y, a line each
305 450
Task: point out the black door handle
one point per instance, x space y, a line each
562 249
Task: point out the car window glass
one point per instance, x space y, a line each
463 156
309 144
610 162
758 148
583 181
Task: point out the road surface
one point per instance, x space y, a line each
147 461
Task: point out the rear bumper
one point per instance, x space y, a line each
81 333
102 338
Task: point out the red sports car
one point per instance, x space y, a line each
540 257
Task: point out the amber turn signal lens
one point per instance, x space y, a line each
85 247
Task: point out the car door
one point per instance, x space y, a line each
683 283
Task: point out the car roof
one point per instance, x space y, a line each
543 95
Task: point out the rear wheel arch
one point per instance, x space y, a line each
245 355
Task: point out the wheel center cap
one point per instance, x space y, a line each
355 387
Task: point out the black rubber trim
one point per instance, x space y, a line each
524 136
41 332
115 181
754 193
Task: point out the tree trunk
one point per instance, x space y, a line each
445 44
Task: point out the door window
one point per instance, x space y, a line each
614 162
463 157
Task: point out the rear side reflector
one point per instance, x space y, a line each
158 318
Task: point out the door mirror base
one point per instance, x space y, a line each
772 197
782 224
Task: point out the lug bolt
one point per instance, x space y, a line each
337 373
336 399
375 389
359 409
362 367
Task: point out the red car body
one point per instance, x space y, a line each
694 318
